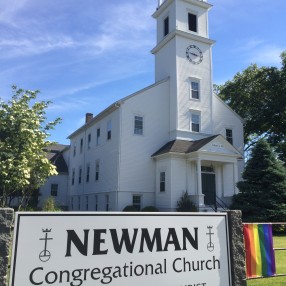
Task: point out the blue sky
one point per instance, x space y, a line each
84 55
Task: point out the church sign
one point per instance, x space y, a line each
74 249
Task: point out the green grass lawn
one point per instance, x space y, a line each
280 257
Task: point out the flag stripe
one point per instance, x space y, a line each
260 258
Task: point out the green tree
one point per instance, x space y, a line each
258 95
262 195
24 166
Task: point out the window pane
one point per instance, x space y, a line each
137 202
98 136
192 22
54 190
166 26
138 125
229 136
162 181
195 123
195 90
108 130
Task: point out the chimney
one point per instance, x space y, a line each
88 117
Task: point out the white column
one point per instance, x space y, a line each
199 177
235 177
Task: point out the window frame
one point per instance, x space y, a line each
89 141
81 146
227 137
192 21
108 130
96 202
136 204
136 129
97 170
87 172
73 177
98 136
54 189
80 175
107 203
193 123
162 183
166 26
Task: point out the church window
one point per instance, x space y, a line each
72 206
195 90
107 203
166 26
98 136
195 122
79 175
109 126
136 202
87 172
54 190
81 145
229 135
138 125
73 176
97 170
162 181
192 22
88 141
86 203
96 202
74 149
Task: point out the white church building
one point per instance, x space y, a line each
172 137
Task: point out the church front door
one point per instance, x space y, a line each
208 188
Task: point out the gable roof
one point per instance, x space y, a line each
183 146
55 156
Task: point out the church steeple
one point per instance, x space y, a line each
183 53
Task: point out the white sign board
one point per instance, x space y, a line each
89 249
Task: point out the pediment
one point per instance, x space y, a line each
219 145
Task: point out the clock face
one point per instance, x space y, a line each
194 54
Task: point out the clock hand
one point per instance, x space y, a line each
194 54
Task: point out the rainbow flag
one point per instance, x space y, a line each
260 259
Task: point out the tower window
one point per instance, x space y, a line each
195 90
166 26
229 135
195 122
192 21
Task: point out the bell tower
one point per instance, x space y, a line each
183 53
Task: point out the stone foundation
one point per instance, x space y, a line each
6 221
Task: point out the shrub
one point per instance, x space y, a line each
184 204
49 205
150 209
130 208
